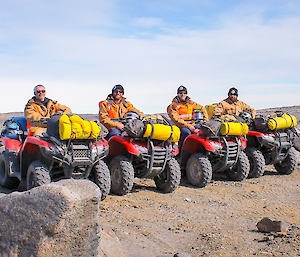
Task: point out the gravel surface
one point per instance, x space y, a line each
217 220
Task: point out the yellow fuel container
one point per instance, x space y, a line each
162 132
210 108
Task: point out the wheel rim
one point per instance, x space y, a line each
194 171
116 176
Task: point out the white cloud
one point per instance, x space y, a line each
78 62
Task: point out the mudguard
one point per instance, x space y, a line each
32 144
192 142
117 145
255 133
11 144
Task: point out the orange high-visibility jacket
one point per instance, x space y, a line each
109 109
35 110
228 107
182 113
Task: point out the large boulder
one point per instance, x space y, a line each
57 219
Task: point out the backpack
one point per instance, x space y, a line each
14 127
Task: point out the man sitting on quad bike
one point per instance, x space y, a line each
181 110
231 105
115 107
39 107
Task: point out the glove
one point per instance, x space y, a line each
58 113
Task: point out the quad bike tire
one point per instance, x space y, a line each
289 164
199 170
101 177
169 179
122 175
257 162
5 179
37 175
296 142
240 170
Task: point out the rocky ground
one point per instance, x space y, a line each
217 220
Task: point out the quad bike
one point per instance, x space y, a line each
203 153
142 157
41 160
270 146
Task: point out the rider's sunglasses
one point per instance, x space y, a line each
182 93
41 91
119 91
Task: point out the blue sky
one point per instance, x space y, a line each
80 49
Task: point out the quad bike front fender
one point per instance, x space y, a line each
11 144
119 145
193 142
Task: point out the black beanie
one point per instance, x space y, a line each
120 87
181 88
232 91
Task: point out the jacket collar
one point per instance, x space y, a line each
111 98
178 101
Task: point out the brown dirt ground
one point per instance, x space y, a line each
217 220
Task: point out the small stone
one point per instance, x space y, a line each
269 225
182 255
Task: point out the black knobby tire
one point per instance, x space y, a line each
37 175
199 170
122 175
101 177
289 164
240 170
5 179
296 142
257 162
169 179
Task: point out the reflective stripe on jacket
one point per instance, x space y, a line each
109 109
185 111
182 113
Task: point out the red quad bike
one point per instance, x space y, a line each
203 153
267 146
41 160
136 156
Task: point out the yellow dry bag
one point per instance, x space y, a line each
162 132
291 120
75 127
285 121
234 129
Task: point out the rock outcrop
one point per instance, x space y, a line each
58 219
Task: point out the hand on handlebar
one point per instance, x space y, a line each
41 121
191 128
58 113
120 126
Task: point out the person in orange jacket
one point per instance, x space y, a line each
231 105
181 110
114 107
40 107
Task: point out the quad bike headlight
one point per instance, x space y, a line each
217 146
96 151
141 149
